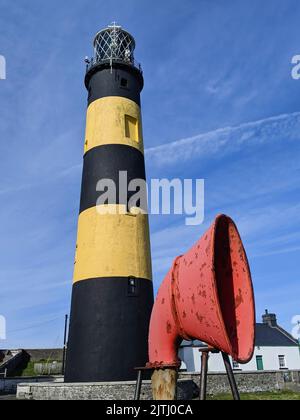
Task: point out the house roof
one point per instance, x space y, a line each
273 337
266 336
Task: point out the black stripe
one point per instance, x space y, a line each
104 82
105 162
108 334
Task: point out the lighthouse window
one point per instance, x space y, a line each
124 82
131 128
132 286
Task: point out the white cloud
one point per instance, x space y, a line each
285 127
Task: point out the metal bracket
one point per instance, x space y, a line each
204 372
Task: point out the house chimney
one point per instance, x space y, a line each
270 319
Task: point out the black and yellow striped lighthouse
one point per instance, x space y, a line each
112 294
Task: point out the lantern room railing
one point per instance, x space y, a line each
113 45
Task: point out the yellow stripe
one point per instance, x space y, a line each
111 120
112 245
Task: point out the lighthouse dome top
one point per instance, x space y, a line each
114 43
113 48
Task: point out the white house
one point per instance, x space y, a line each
275 349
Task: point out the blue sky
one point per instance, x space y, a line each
219 103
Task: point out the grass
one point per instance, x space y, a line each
271 396
27 369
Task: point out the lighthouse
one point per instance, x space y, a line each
112 294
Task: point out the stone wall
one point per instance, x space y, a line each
187 387
187 390
53 368
249 381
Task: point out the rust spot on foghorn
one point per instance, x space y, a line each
169 327
202 293
163 301
184 314
199 317
239 299
193 299
241 253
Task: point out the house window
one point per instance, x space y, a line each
235 365
259 363
131 128
282 362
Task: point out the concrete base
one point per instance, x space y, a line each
187 390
